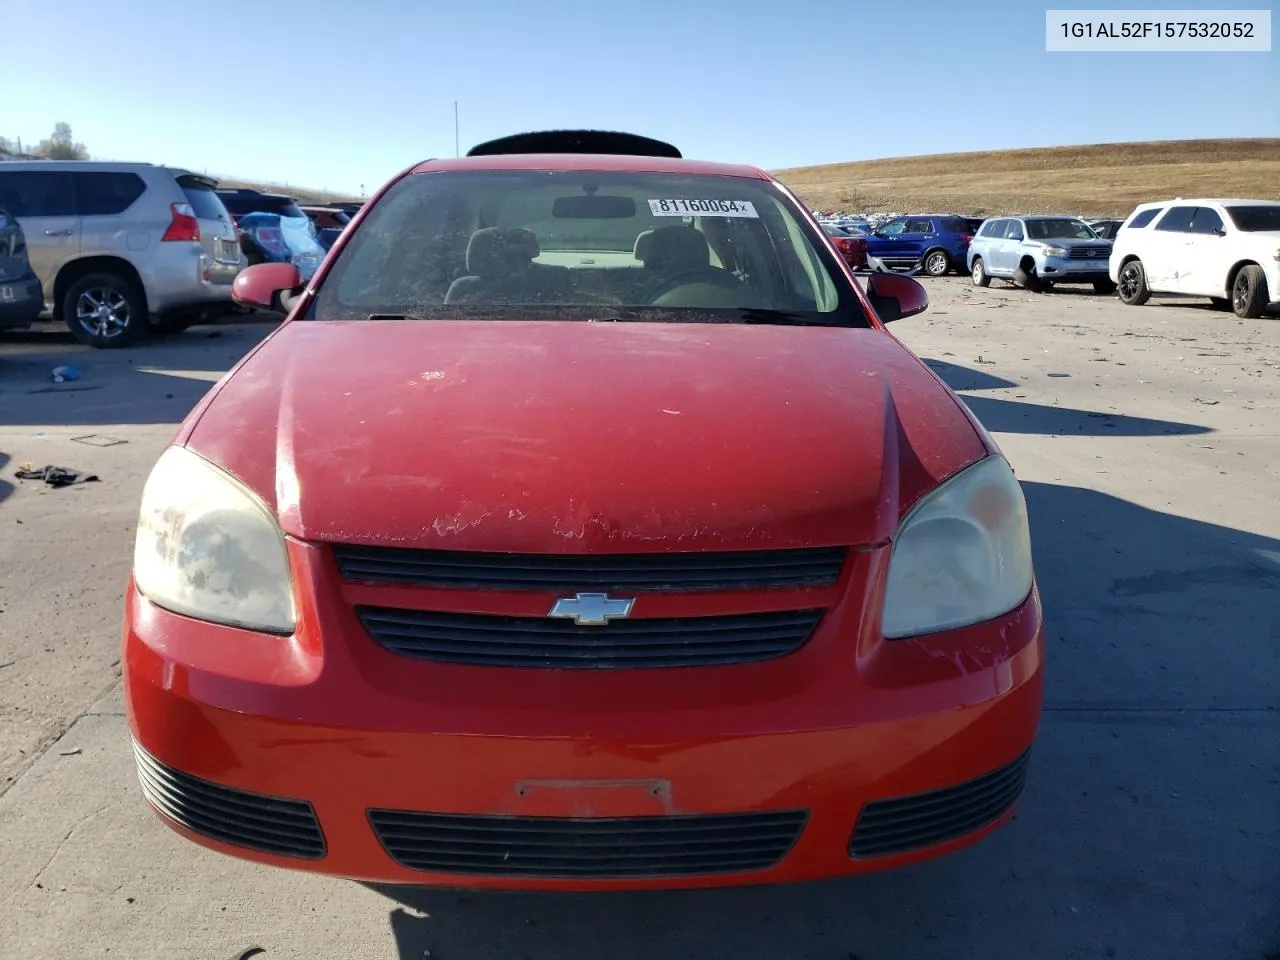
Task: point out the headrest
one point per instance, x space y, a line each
496 251
641 249
676 248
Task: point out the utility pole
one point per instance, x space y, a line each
457 149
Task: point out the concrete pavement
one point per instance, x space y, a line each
1148 445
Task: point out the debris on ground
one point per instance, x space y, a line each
66 373
55 476
98 440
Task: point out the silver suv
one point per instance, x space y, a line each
122 248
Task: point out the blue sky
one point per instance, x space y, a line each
347 93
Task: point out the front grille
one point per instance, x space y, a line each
706 570
909 823
600 848
288 828
501 641
1089 253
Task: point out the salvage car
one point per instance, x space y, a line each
1037 252
852 246
123 249
1225 250
21 295
582 527
935 244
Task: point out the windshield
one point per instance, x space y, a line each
1254 219
1059 229
587 245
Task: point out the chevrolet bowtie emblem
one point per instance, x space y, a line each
591 609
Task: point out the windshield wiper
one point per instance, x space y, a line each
392 316
784 317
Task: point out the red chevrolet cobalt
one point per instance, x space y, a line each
582 527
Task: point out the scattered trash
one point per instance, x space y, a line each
7 663
97 440
1059 374
1207 403
55 476
70 753
66 373
981 360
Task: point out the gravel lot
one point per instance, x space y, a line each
1148 441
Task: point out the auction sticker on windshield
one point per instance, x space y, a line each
707 208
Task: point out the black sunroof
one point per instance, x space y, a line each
576 141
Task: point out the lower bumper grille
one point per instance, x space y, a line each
590 848
925 819
287 828
501 641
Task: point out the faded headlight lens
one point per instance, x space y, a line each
209 548
962 555
1055 251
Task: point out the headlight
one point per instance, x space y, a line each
962 555
209 548
1055 251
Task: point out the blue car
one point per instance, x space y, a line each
21 295
935 244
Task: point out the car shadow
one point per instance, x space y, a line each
1000 415
157 381
6 488
1156 761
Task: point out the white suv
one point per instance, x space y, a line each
1226 250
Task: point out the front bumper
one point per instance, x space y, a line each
1077 270
328 753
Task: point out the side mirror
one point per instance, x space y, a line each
260 285
894 296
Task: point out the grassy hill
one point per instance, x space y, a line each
1105 179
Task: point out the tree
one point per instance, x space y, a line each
62 146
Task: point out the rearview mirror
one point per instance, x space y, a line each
262 284
894 296
604 207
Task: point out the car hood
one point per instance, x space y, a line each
584 437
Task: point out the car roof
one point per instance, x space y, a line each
1219 200
99 166
591 161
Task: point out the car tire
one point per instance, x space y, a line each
1104 286
979 274
1027 280
1249 292
105 310
1133 287
1220 303
936 263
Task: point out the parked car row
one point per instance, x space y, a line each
1225 250
116 250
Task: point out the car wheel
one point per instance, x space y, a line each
105 310
1133 284
1027 279
1249 292
1220 303
1103 286
937 263
979 273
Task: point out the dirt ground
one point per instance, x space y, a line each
1148 443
